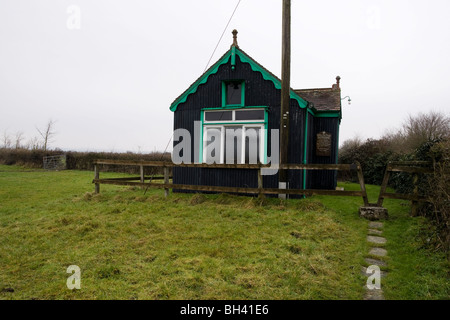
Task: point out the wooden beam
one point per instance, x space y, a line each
96 177
285 90
411 169
340 167
384 185
260 184
411 163
171 164
141 171
166 181
138 178
308 192
414 202
362 184
403 196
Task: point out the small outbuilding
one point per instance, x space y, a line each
238 96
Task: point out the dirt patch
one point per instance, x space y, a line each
197 199
296 234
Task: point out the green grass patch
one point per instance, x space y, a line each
131 245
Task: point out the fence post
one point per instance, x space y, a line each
260 184
384 185
166 181
96 177
415 194
141 168
361 183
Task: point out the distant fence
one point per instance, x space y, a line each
260 190
58 162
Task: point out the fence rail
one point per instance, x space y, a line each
413 167
260 190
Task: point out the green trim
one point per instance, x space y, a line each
328 114
212 123
305 151
200 158
245 59
243 93
233 57
233 107
266 129
265 122
193 88
224 94
337 142
268 76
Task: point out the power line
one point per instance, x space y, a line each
217 45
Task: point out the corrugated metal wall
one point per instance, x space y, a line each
258 92
323 179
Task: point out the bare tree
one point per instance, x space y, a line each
6 140
47 134
394 141
425 127
18 139
351 144
33 144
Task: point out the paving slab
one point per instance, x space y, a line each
380 252
365 273
376 294
375 262
375 232
375 225
376 240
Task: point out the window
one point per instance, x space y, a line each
233 93
237 115
228 139
219 116
250 115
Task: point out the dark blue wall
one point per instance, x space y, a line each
258 92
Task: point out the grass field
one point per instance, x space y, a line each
135 246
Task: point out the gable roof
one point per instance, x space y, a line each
245 58
324 99
320 100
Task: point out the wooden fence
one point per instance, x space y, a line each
260 190
413 167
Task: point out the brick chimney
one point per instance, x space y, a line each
337 85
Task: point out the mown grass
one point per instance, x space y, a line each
131 245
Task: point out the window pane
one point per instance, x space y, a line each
212 145
252 145
250 115
234 93
218 116
233 144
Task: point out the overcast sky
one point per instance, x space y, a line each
109 77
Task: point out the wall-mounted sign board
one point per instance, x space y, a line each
323 144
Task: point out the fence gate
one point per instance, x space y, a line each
55 162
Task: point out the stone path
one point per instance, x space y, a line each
376 258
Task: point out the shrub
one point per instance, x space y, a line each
82 160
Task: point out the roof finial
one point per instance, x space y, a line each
235 44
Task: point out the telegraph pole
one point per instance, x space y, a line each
285 94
